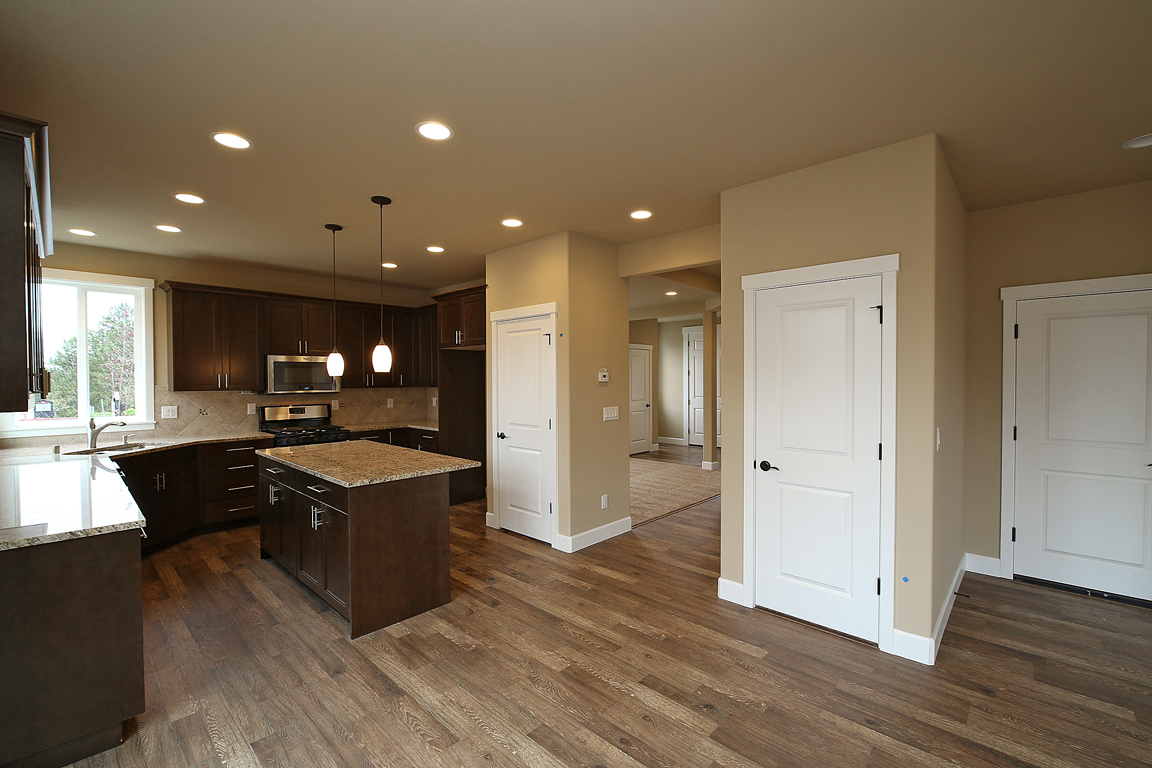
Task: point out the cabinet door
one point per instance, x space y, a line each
449 322
13 280
310 566
196 336
350 341
473 319
317 321
282 321
403 366
422 440
426 347
270 501
372 322
240 319
337 576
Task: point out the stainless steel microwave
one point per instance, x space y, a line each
289 374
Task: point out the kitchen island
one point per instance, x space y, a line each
71 616
362 524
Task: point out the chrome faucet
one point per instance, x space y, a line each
94 431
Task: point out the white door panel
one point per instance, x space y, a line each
817 425
695 379
525 394
1083 490
639 399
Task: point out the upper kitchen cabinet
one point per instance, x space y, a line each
462 318
25 238
424 346
403 363
298 327
215 338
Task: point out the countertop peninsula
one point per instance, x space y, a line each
359 462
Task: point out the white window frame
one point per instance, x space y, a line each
145 417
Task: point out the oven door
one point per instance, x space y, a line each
288 374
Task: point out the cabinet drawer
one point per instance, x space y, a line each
325 491
379 436
231 485
426 441
229 453
232 509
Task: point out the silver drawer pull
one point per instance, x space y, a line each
242 488
245 448
318 489
241 509
429 437
274 471
241 466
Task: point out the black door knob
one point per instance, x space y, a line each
501 435
765 466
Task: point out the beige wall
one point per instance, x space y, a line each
1105 233
679 250
578 273
648 332
948 471
870 204
86 258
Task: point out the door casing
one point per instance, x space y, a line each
886 267
1009 296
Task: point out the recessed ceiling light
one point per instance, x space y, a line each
669 293
641 214
435 249
83 232
388 265
232 140
433 130
1139 142
511 222
186 198
168 228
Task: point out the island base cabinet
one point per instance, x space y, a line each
72 660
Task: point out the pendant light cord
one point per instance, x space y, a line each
381 271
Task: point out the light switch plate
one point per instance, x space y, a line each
251 409
612 413
433 402
169 412
335 405
389 402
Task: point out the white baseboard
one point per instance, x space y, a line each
601 533
655 447
490 520
989 566
710 465
913 647
733 592
673 440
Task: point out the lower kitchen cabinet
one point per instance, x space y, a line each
165 486
228 479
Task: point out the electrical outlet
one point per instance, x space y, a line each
434 402
389 402
335 405
251 409
604 501
169 411
612 413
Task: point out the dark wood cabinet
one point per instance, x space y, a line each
351 340
279 527
228 480
298 327
165 487
25 237
425 345
215 339
424 440
462 319
403 365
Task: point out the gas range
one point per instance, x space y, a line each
301 424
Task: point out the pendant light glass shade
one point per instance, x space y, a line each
335 362
381 354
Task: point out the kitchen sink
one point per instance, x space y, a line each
116 448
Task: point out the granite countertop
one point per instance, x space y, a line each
53 498
432 425
362 462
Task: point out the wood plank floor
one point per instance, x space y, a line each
619 655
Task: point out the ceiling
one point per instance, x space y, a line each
567 114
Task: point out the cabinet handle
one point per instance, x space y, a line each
401 379
272 497
317 517
163 481
217 381
274 471
241 487
305 346
242 466
225 381
318 488
241 509
245 448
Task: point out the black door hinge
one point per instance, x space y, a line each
880 453
1013 433
1016 331
549 507
881 308
1013 533
877 586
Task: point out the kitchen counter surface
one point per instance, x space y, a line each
361 462
45 499
432 425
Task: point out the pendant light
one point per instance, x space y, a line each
381 354
335 359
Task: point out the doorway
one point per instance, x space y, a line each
639 398
694 384
1080 511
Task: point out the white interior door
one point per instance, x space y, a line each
639 398
524 418
817 368
1083 506
694 341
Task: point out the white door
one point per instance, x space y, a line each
1083 507
639 398
694 339
817 436
523 418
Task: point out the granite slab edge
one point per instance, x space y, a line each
49 538
384 477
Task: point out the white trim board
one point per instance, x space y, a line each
886 266
601 533
1008 387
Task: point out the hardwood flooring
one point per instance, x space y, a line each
619 655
